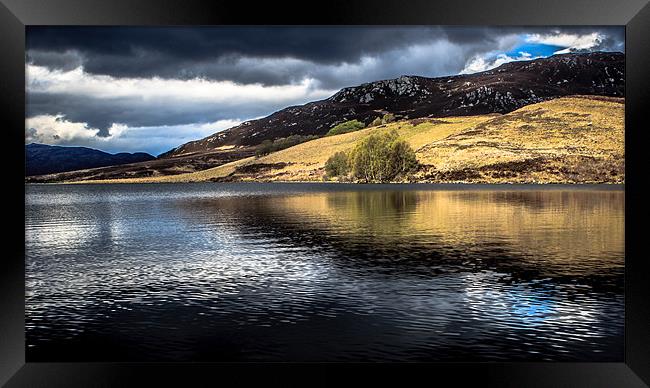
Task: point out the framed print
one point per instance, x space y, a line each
389 190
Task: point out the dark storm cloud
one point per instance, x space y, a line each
614 41
215 52
100 114
62 60
317 44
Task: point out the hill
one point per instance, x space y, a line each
501 90
150 168
577 139
47 159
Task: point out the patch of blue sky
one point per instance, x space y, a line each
534 49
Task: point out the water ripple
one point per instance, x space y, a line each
315 272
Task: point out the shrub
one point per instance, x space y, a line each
346 127
268 146
382 158
403 159
337 165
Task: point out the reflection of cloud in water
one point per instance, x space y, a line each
540 310
118 256
70 234
527 305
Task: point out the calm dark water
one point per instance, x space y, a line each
317 272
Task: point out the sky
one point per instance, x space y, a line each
150 89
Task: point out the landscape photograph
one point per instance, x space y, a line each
325 193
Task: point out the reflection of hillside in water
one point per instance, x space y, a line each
556 232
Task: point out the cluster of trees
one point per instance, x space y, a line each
346 127
268 146
355 125
377 158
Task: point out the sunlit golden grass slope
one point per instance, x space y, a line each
565 140
571 139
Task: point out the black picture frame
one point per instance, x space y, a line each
16 14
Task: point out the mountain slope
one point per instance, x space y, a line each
47 159
500 90
577 139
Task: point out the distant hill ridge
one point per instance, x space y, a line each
47 159
500 90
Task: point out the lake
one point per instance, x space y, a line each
324 272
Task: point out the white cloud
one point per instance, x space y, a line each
482 62
57 130
572 42
159 139
43 80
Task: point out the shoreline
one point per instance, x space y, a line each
394 185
